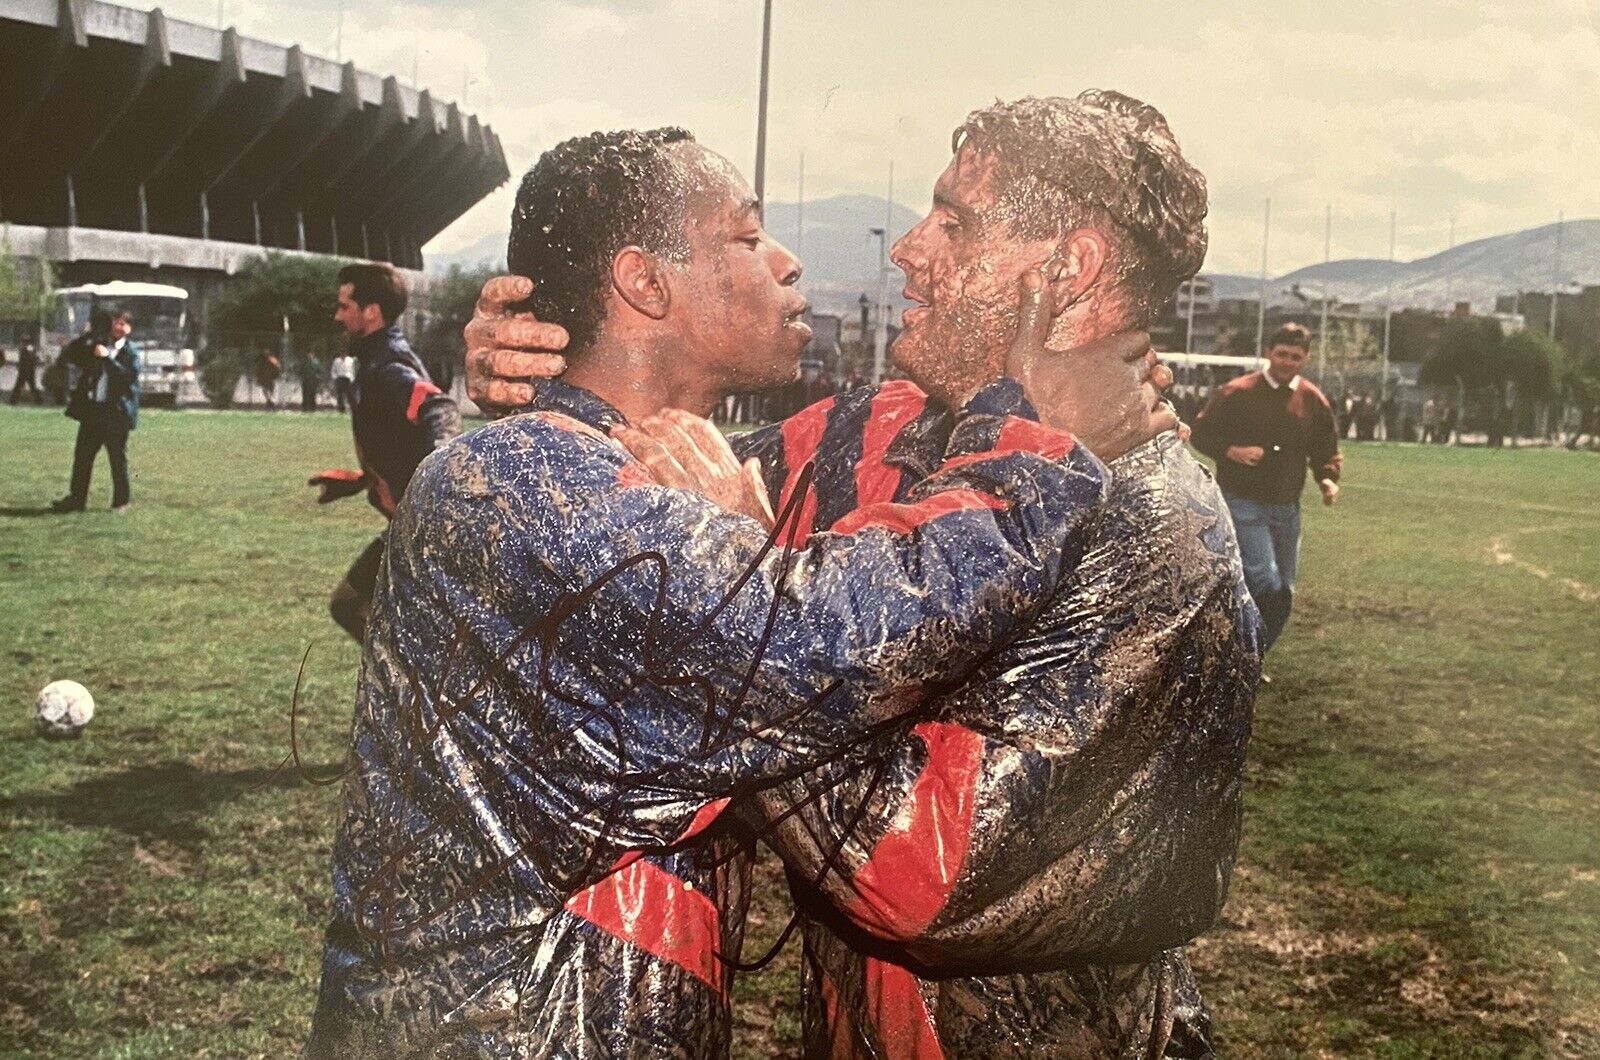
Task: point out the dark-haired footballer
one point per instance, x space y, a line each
571 670
397 417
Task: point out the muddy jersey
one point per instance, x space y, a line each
1011 873
571 671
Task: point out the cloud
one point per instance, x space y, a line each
584 18
1481 110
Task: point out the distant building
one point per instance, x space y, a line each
1170 331
856 336
1577 314
823 349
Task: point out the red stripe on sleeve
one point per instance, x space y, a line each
841 1040
1020 436
904 518
648 907
908 879
421 390
802 435
382 496
704 817
899 1014
896 404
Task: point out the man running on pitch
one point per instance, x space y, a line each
397 417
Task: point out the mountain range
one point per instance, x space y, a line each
1473 272
841 257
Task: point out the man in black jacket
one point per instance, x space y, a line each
397 416
105 402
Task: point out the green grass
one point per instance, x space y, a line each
1421 868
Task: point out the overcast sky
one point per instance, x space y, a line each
1487 111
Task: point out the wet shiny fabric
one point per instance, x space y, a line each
560 677
1012 873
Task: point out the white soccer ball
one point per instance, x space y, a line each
63 708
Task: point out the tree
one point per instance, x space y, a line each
24 285
276 286
1534 363
1476 357
448 308
1353 349
1469 355
276 308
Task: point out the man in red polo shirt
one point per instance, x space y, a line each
1265 430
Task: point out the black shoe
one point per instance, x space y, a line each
66 504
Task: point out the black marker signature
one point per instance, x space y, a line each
722 725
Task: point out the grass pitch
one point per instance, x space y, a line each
1421 868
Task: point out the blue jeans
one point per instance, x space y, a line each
1269 544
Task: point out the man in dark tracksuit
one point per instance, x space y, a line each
397 416
105 402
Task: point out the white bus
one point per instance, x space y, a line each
160 319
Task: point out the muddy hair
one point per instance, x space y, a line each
1104 161
581 203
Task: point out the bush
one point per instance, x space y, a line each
220 373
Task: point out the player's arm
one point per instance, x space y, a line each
1211 433
402 401
688 661
125 368
434 412
990 845
1323 454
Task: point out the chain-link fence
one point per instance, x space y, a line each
288 370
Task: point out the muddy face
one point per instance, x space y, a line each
736 297
962 263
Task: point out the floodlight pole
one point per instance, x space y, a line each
880 334
1261 298
1188 328
1555 273
1322 330
800 213
1450 281
761 111
1388 316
